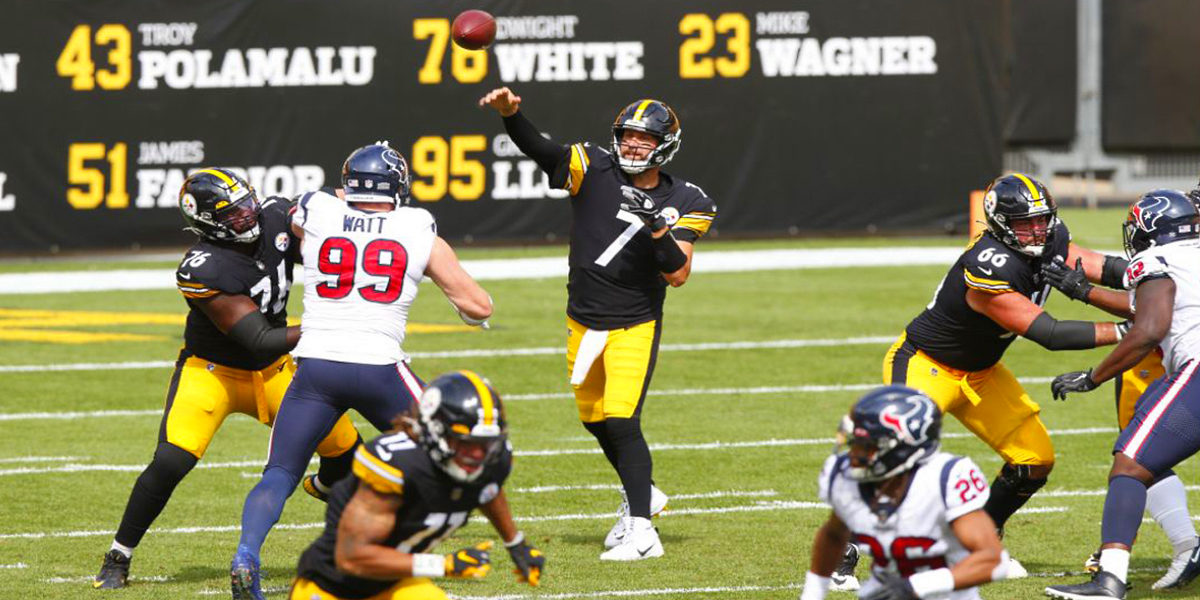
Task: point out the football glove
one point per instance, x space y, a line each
641 205
894 587
529 561
1075 381
1123 328
1072 282
470 563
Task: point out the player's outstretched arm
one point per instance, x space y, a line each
1156 302
1075 283
238 317
1107 270
528 562
547 154
828 547
986 561
473 304
1018 314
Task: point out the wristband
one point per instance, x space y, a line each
428 565
815 587
928 583
667 254
516 541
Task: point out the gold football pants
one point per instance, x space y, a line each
990 403
203 393
1133 383
409 588
618 364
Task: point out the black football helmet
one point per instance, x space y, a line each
456 411
1160 217
376 173
653 117
219 205
1019 202
889 431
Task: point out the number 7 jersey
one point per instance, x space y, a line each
361 272
917 535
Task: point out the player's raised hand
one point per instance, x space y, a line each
1075 381
473 562
641 205
1072 282
503 100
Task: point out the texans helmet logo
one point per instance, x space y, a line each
1148 211
909 425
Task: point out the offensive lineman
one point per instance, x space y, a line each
918 510
632 231
993 293
236 280
413 488
364 257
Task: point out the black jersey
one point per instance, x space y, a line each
950 332
265 275
614 281
434 506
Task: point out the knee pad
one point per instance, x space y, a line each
1019 479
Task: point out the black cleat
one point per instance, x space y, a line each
114 573
309 483
843 578
1104 586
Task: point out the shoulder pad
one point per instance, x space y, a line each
964 487
378 463
991 267
200 274
1145 266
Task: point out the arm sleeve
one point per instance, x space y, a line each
964 488
255 334
546 153
1052 334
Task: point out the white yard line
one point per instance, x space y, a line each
19 565
33 459
517 268
642 592
132 468
496 352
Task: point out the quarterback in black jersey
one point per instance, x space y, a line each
993 293
633 227
235 280
412 488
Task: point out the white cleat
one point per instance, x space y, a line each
640 542
1016 570
843 579
1184 568
658 503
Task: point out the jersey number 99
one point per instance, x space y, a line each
380 258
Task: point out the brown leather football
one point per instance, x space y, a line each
474 29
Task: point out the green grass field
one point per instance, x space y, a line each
741 438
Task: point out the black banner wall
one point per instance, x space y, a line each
1044 85
814 115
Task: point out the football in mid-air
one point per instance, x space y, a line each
474 29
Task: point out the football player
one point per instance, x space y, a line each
1166 500
365 254
918 511
632 232
993 293
235 359
1162 239
413 488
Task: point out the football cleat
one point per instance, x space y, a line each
1184 568
1104 585
658 503
843 579
114 573
640 542
244 577
1016 570
310 487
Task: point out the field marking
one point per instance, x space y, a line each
19 565
644 592
497 352
242 464
90 578
24 459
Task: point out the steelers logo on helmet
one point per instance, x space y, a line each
188 205
282 241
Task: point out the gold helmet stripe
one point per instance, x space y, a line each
485 396
637 114
229 181
1029 184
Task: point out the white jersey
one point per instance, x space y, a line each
361 272
917 536
1181 262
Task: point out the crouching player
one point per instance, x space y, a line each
918 511
412 489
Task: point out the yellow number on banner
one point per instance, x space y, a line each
691 67
468 66
76 59
92 179
738 26
118 57
472 170
439 30
429 161
694 66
